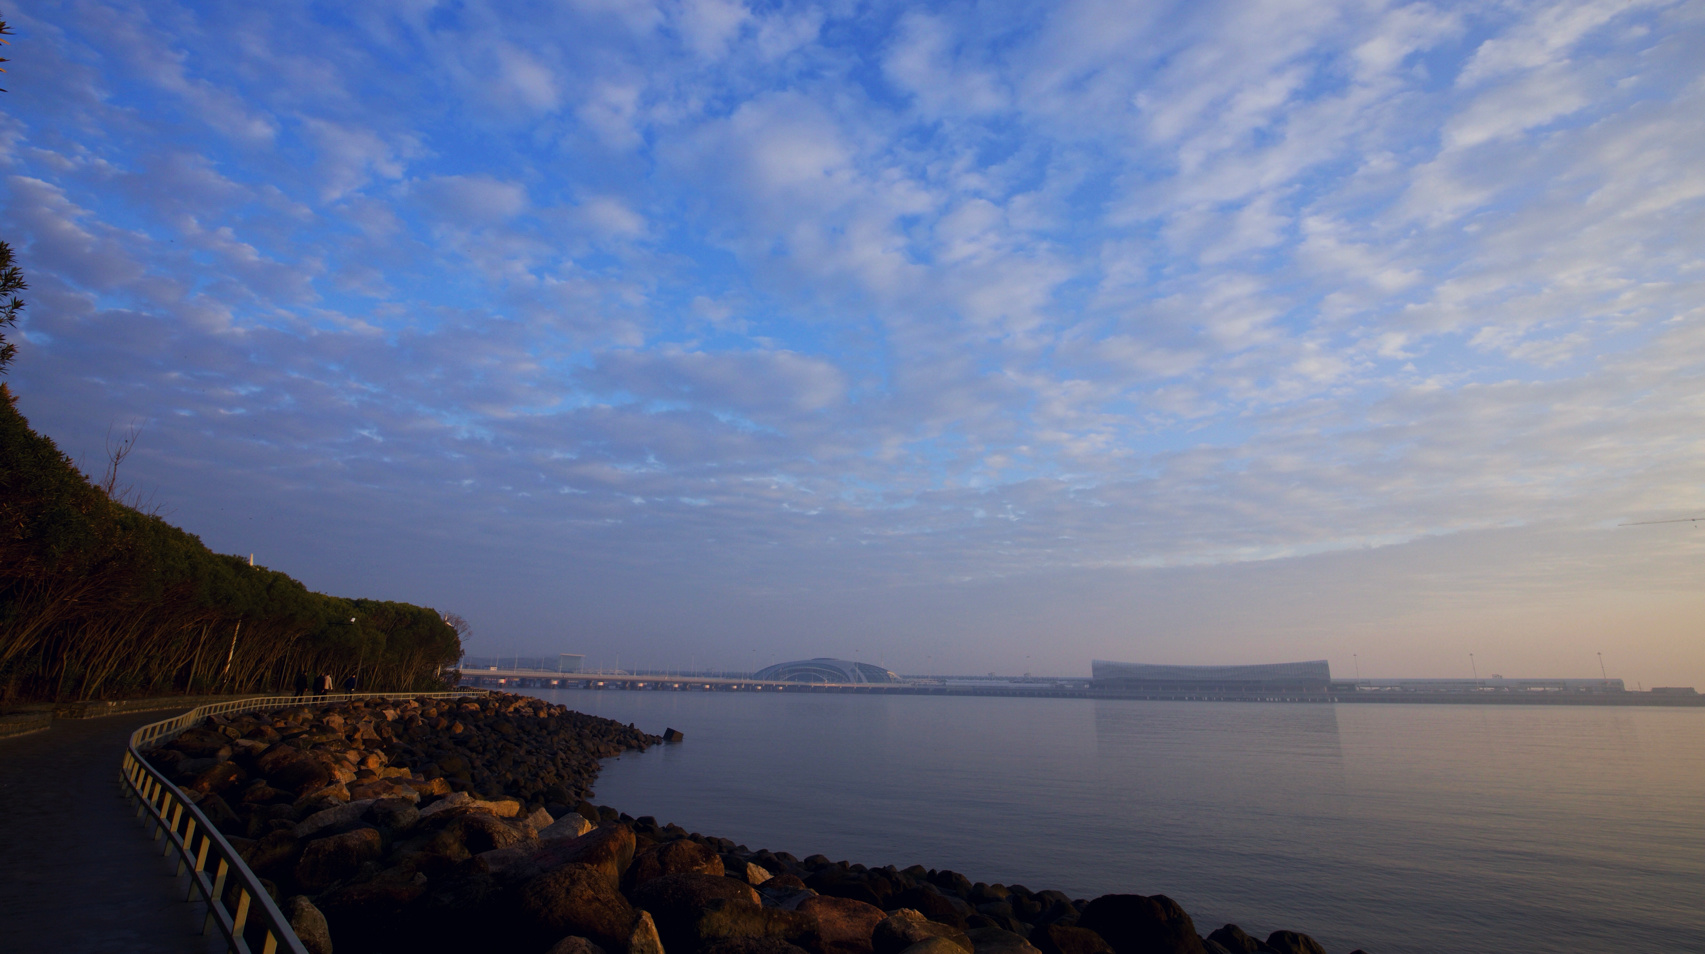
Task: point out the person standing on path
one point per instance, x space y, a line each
301 683
325 686
349 684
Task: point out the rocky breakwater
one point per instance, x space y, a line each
454 827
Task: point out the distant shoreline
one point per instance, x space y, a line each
682 684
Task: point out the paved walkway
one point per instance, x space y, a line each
78 872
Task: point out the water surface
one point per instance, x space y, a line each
1397 828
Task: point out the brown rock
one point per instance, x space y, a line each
1068 939
934 945
643 938
1232 938
932 905
577 899
844 926
274 855
575 945
673 857
309 925
472 834
906 927
369 916
219 778
990 940
752 945
328 860
609 849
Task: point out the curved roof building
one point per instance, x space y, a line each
824 669
1305 676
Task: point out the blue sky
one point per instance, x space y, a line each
961 337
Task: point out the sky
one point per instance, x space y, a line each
961 337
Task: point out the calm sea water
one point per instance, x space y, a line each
1393 828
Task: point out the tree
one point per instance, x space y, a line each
5 31
11 282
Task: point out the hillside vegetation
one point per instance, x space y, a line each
100 600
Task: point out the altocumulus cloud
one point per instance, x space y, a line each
914 331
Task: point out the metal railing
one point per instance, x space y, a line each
235 899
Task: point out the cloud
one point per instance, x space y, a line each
793 302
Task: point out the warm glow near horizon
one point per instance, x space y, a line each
959 338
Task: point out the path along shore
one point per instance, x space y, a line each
437 825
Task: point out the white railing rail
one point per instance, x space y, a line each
235 899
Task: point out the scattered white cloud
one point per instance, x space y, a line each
887 296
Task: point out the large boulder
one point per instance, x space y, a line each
1290 942
906 927
370 915
752 945
576 899
275 855
575 945
1139 924
219 777
328 860
1069 939
694 910
1232 938
991 940
309 925
609 849
931 904
337 816
473 833
672 857
571 825
844 926
933 945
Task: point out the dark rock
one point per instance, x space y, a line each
328 860
608 849
751 945
1059 939
991 940
1138 924
478 832
952 882
1290 942
309 925
934 945
579 900
672 736
674 857
301 776
1232 938
844 925
931 904
840 883
575 945
274 855
219 813
202 742
693 910
903 928
369 915
395 814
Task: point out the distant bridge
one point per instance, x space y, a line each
500 677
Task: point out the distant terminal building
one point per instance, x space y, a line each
823 669
1313 677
